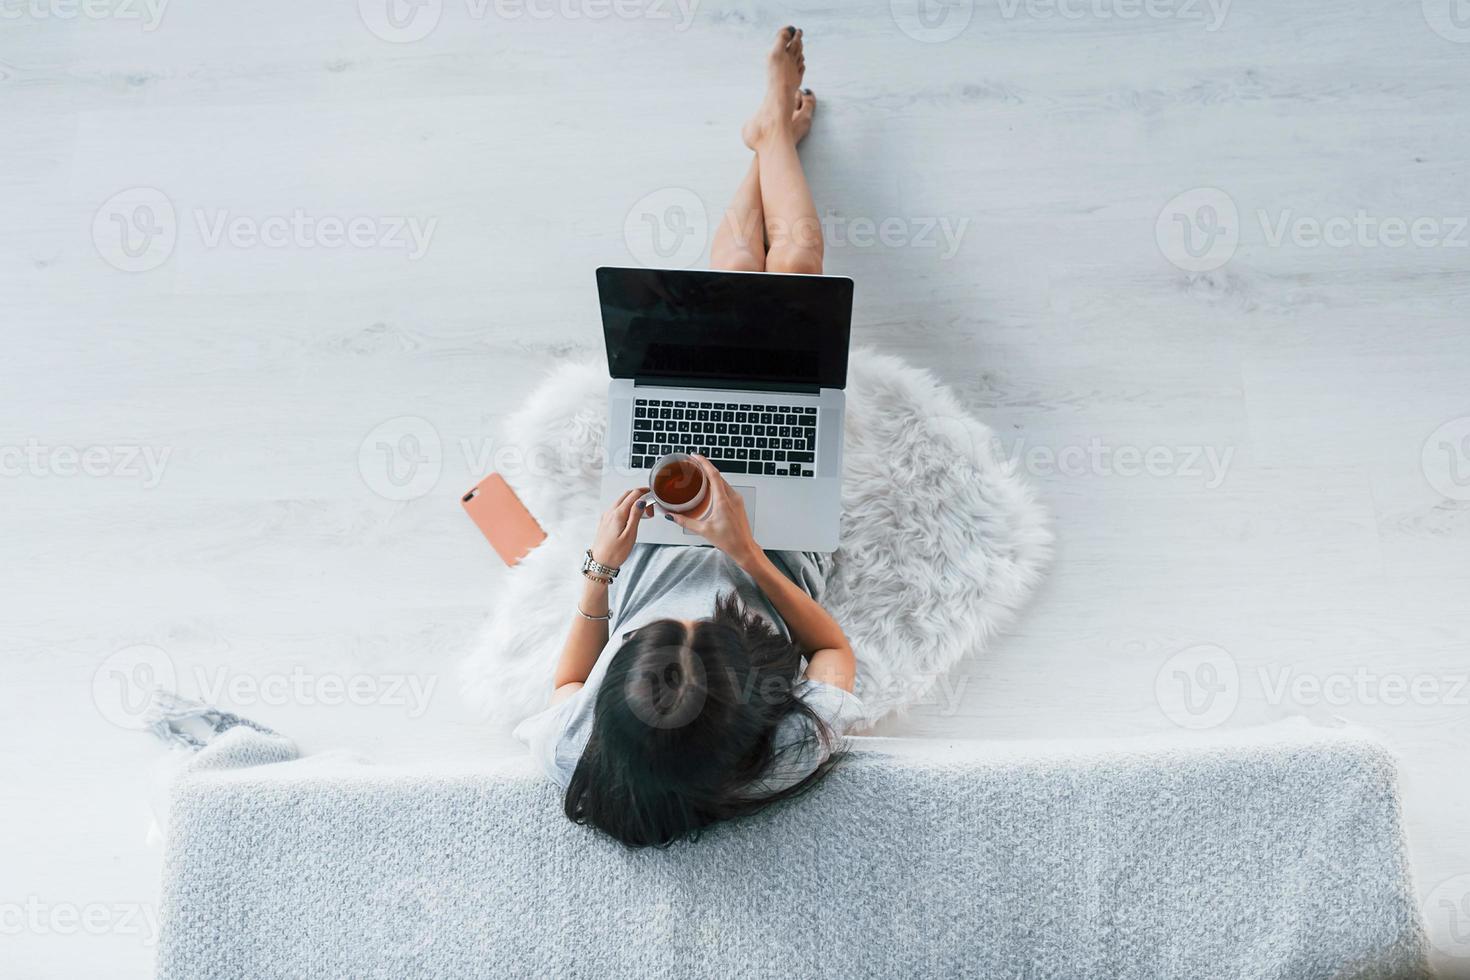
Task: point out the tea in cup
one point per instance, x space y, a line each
677 483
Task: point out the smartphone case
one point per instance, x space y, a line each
502 518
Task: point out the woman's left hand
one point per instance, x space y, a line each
617 531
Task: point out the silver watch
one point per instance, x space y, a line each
597 571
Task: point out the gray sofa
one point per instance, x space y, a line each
1271 853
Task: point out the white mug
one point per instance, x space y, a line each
693 502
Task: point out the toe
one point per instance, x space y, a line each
783 39
796 43
808 102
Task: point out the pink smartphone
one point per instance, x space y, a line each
502 518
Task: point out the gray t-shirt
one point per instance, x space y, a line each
674 582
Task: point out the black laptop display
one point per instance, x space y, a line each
726 329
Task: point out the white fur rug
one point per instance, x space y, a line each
942 540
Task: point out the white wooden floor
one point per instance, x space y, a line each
1204 268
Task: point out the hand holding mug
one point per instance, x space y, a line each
617 530
724 522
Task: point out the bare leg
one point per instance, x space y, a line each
793 231
740 237
740 241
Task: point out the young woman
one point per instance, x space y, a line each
680 699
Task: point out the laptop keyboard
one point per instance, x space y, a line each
762 439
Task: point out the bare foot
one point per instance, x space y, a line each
801 119
785 65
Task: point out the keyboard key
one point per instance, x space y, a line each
800 457
767 455
729 465
770 469
807 472
640 412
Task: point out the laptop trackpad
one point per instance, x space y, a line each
747 494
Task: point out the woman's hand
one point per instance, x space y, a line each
724 523
617 531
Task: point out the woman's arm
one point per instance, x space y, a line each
830 658
726 526
585 641
617 532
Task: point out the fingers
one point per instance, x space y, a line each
636 513
717 483
622 499
627 500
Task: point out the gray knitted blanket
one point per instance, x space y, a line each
1273 853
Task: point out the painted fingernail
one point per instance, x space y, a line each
668 517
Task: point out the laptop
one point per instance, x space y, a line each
746 368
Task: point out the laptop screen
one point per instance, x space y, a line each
726 329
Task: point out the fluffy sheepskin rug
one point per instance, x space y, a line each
942 540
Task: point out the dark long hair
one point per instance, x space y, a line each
684 728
